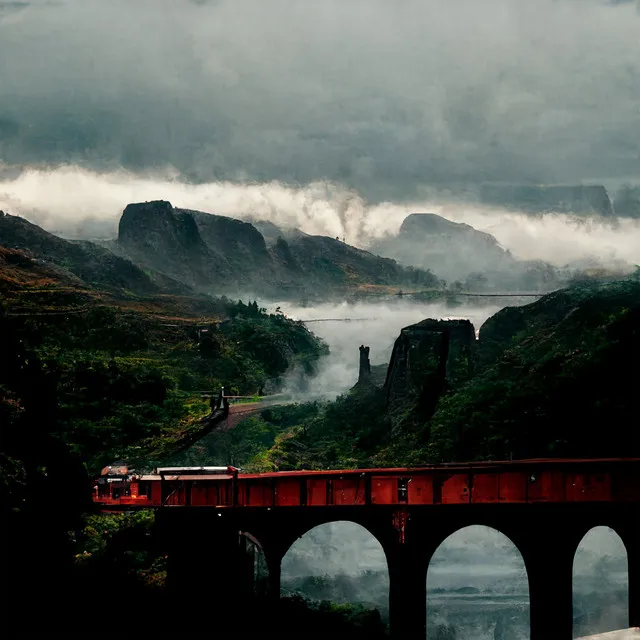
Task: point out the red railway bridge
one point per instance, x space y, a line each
205 515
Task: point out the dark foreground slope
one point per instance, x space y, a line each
555 378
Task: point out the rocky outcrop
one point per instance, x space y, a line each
428 358
204 251
364 372
538 199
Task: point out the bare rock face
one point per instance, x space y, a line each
151 228
428 358
202 250
364 374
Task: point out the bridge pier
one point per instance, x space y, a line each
273 556
547 541
549 567
407 595
208 564
408 544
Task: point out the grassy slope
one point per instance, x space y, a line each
89 262
128 371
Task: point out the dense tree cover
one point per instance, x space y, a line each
124 383
559 379
79 389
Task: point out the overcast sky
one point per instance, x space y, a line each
383 97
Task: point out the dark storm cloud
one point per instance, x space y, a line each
379 96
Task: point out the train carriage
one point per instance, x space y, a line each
523 481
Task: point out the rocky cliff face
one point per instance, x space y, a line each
428 358
202 250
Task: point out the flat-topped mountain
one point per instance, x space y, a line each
538 199
201 250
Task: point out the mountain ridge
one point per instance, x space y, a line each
218 254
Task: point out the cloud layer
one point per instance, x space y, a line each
393 100
80 203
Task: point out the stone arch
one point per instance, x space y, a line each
600 583
477 586
345 563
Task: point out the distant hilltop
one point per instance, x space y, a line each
581 200
535 199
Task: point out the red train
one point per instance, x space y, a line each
523 481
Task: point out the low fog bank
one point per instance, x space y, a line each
376 324
476 586
78 203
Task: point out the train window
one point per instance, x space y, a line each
144 489
115 493
403 490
